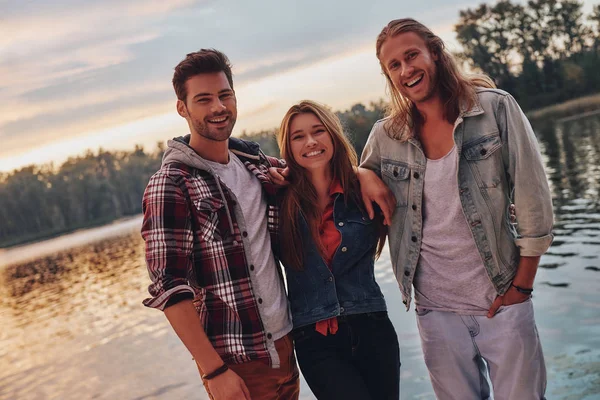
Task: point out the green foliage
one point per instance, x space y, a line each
40 201
543 52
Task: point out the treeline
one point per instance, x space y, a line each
543 52
38 202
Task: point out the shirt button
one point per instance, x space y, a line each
344 249
245 234
259 300
414 238
414 207
269 336
406 273
251 267
340 224
416 175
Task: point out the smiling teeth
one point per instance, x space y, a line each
217 120
314 153
412 83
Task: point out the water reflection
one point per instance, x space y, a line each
73 325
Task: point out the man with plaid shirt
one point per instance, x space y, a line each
210 223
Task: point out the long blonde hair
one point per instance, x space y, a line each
301 196
456 88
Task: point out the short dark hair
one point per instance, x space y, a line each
205 61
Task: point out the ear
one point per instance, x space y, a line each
434 55
182 109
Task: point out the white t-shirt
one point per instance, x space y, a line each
267 286
450 274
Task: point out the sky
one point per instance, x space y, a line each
84 74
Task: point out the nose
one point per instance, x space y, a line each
310 141
406 71
218 107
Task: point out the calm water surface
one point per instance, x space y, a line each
73 327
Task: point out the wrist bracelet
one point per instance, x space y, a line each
522 290
216 372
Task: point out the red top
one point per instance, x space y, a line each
330 239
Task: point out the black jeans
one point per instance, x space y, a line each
361 361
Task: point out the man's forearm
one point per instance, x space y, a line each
526 271
184 319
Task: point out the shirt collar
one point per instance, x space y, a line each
335 187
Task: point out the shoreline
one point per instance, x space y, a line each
570 109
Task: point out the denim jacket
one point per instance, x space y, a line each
499 162
317 293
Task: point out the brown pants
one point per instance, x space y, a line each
266 383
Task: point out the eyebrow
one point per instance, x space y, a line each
314 126
210 94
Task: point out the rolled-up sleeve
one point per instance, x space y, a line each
370 157
168 237
527 178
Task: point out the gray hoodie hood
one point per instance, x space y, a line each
179 150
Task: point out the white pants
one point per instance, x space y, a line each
464 352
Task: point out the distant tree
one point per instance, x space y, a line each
542 51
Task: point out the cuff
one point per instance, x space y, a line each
160 301
534 246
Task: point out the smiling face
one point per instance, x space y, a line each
310 142
210 107
410 66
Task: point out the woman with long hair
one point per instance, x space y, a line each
345 343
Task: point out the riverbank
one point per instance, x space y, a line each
568 109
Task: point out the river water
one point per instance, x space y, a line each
73 327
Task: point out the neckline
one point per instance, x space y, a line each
442 158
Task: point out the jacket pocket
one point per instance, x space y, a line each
485 160
396 175
207 218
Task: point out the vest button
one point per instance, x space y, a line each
416 175
269 336
414 238
245 234
483 152
340 224
260 301
407 273
344 249
330 279
414 207
395 172
251 267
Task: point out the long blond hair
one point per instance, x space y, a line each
301 196
456 88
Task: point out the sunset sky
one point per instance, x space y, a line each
77 75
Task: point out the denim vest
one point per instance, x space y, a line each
499 162
317 293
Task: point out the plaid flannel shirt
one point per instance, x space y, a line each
191 248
